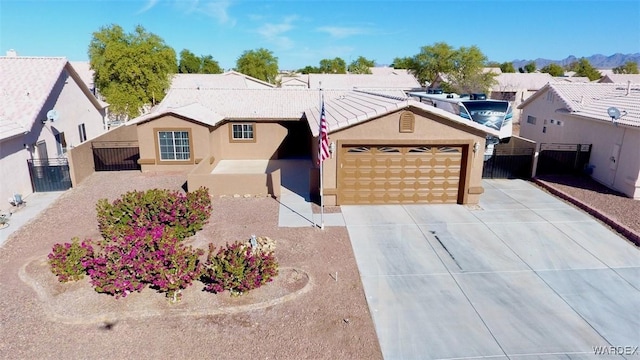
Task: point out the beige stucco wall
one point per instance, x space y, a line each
268 138
81 163
429 129
622 175
148 142
14 172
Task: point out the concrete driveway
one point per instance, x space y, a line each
523 276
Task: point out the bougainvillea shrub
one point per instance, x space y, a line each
184 213
66 260
238 268
154 257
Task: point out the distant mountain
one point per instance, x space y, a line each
598 61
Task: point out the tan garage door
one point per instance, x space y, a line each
399 174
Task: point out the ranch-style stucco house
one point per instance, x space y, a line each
46 110
577 113
386 148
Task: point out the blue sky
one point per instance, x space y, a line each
301 32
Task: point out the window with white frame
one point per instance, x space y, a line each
174 145
531 120
241 132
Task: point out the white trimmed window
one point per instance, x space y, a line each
174 145
242 132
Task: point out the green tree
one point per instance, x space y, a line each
507 67
529 68
431 61
189 63
361 65
209 66
260 63
132 70
402 63
309 70
333 66
467 73
630 67
585 69
553 70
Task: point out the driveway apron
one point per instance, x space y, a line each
521 276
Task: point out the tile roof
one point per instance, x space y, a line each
26 85
256 104
620 78
578 79
387 70
356 107
192 111
83 68
363 81
227 80
593 99
521 81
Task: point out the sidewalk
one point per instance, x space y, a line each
35 204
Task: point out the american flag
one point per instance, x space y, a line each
323 138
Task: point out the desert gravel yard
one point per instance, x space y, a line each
304 314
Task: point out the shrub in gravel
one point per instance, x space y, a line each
184 213
154 257
238 267
67 260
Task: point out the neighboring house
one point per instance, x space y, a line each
398 81
228 80
33 92
575 113
620 78
571 79
388 148
517 87
298 82
387 70
442 78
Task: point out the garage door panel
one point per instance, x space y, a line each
399 174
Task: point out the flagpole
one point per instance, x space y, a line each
321 162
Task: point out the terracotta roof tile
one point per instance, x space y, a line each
227 80
363 81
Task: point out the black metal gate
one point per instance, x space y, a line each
563 158
115 155
509 163
49 174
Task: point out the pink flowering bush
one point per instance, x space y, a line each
184 213
154 257
66 260
238 268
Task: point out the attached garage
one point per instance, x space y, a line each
399 174
394 150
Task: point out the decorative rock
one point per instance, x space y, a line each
247 196
236 195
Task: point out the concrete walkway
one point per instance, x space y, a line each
35 203
524 276
295 201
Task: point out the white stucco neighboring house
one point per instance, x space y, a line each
518 87
577 113
33 92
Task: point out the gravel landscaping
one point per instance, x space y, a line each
304 313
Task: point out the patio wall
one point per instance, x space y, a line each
81 157
255 184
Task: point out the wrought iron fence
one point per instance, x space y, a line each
49 174
115 155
